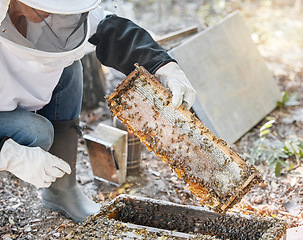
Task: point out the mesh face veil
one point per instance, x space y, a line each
81 25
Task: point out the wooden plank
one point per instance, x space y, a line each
177 34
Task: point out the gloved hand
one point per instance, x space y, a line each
173 78
32 164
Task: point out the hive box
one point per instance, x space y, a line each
131 217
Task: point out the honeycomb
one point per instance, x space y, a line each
213 171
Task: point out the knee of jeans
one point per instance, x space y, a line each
44 136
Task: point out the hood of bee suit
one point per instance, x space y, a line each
3 9
54 6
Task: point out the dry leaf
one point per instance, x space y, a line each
101 196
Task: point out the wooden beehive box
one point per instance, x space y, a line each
213 171
129 217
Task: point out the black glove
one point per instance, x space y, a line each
121 43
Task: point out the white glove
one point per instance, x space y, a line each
173 78
32 164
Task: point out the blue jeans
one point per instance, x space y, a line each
35 129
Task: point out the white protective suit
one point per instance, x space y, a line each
31 67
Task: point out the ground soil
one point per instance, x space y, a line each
276 31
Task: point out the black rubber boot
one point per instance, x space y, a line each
65 195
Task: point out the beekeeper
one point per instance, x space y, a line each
41 42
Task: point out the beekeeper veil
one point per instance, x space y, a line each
63 30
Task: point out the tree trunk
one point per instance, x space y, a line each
94 82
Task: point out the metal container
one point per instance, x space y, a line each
133 154
133 150
107 149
